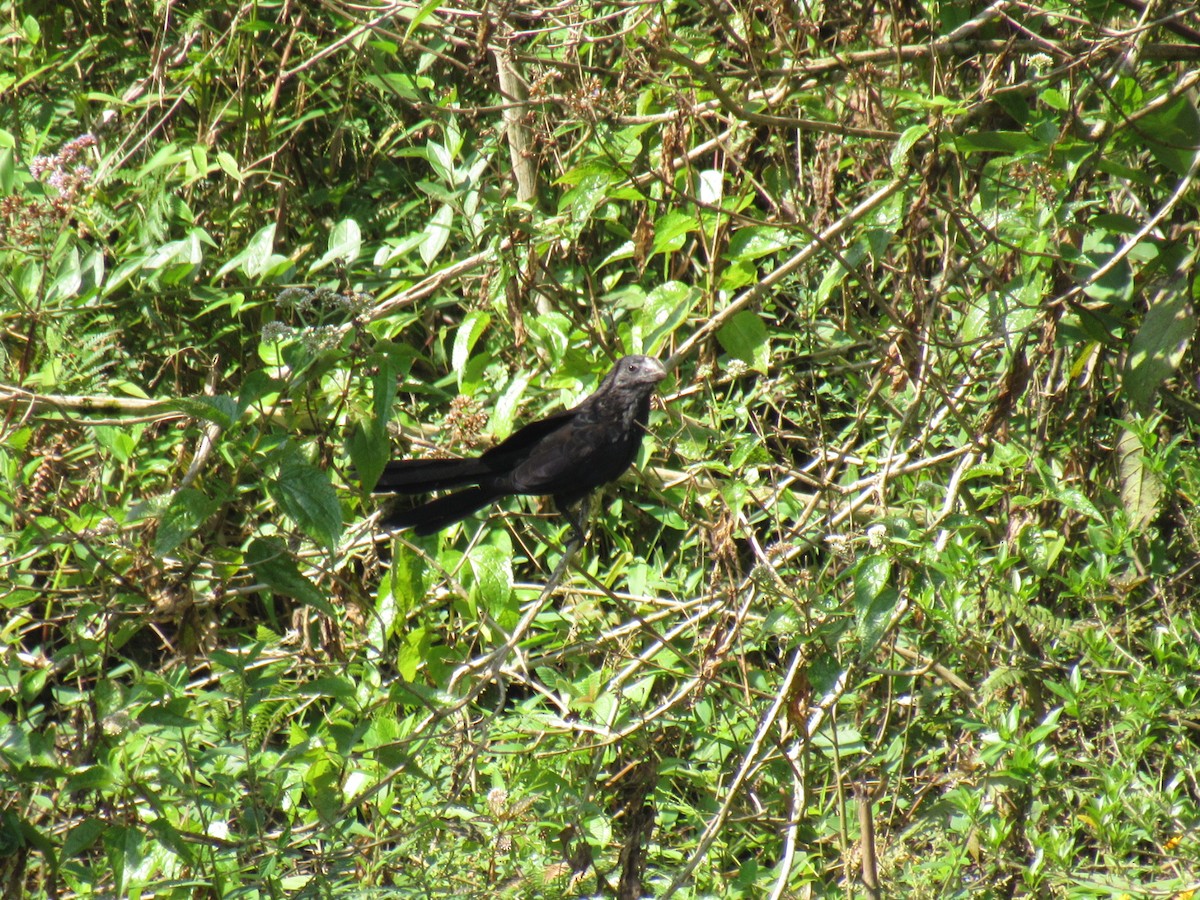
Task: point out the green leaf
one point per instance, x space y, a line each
255 387
737 275
82 836
259 255
413 653
189 509
663 311
911 135
15 749
167 156
756 241
749 448
222 410
436 234
92 271
305 494
491 587
408 578
120 442
256 257
176 261
553 330
167 716
91 777
270 562
1170 133
8 170
229 165
1116 285
837 272
345 244
745 336
16 833
67 278
28 280
1141 487
1077 501
590 169
581 200
423 12
1055 99
370 449
1032 544
404 86
335 686
671 230
369 445
1016 142
1159 345
875 600
870 578
505 410
473 325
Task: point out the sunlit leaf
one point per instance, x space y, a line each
745 336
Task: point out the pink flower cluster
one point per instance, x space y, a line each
23 219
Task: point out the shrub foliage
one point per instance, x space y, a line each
900 599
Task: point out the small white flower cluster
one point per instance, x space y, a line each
304 299
276 331
497 800
876 535
843 544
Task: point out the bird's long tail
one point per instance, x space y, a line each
420 476
435 515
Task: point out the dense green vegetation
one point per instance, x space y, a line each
900 600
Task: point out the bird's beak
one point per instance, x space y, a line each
657 369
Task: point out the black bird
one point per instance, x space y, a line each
566 455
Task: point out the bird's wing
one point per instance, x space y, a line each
575 459
420 476
517 445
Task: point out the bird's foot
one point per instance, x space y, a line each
578 517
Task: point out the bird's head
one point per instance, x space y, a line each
631 370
